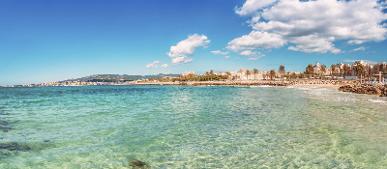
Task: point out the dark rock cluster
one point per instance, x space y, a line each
137 164
379 90
4 126
13 146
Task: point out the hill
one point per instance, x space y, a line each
118 78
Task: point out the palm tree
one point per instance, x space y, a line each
211 72
359 69
323 68
247 74
336 70
255 72
309 69
272 74
281 70
347 70
228 74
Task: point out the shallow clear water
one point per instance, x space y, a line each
191 127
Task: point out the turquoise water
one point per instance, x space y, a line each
191 127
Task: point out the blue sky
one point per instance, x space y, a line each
45 40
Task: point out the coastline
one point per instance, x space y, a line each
329 86
352 86
315 83
369 89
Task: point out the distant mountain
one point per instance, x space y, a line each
118 78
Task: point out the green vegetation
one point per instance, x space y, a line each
120 78
208 76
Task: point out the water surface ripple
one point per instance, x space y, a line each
190 127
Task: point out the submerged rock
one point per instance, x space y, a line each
13 146
3 113
137 164
4 126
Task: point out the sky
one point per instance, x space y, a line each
46 40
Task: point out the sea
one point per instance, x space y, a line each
102 127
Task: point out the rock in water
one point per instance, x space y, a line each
369 89
4 126
13 146
138 164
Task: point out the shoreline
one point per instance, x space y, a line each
351 86
369 89
283 83
274 83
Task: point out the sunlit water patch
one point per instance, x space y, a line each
190 127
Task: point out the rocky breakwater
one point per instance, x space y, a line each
379 90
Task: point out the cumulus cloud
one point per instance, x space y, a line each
153 64
251 55
181 59
313 44
251 6
219 52
181 52
247 44
247 53
252 58
156 64
256 39
361 48
311 26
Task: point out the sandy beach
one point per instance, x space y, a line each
314 83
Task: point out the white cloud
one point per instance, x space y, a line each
256 39
321 22
251 55
181 59
219 52
313 44
251 6
181 52
153 64
252 58
247 53
156 64
361 48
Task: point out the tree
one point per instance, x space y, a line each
359 69
323 69
272 74
346 70
383 67
376 69
309 69
281 70
336 70
211 72
292 75
255 72
228 74
247 74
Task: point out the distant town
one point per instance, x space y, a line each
358 71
